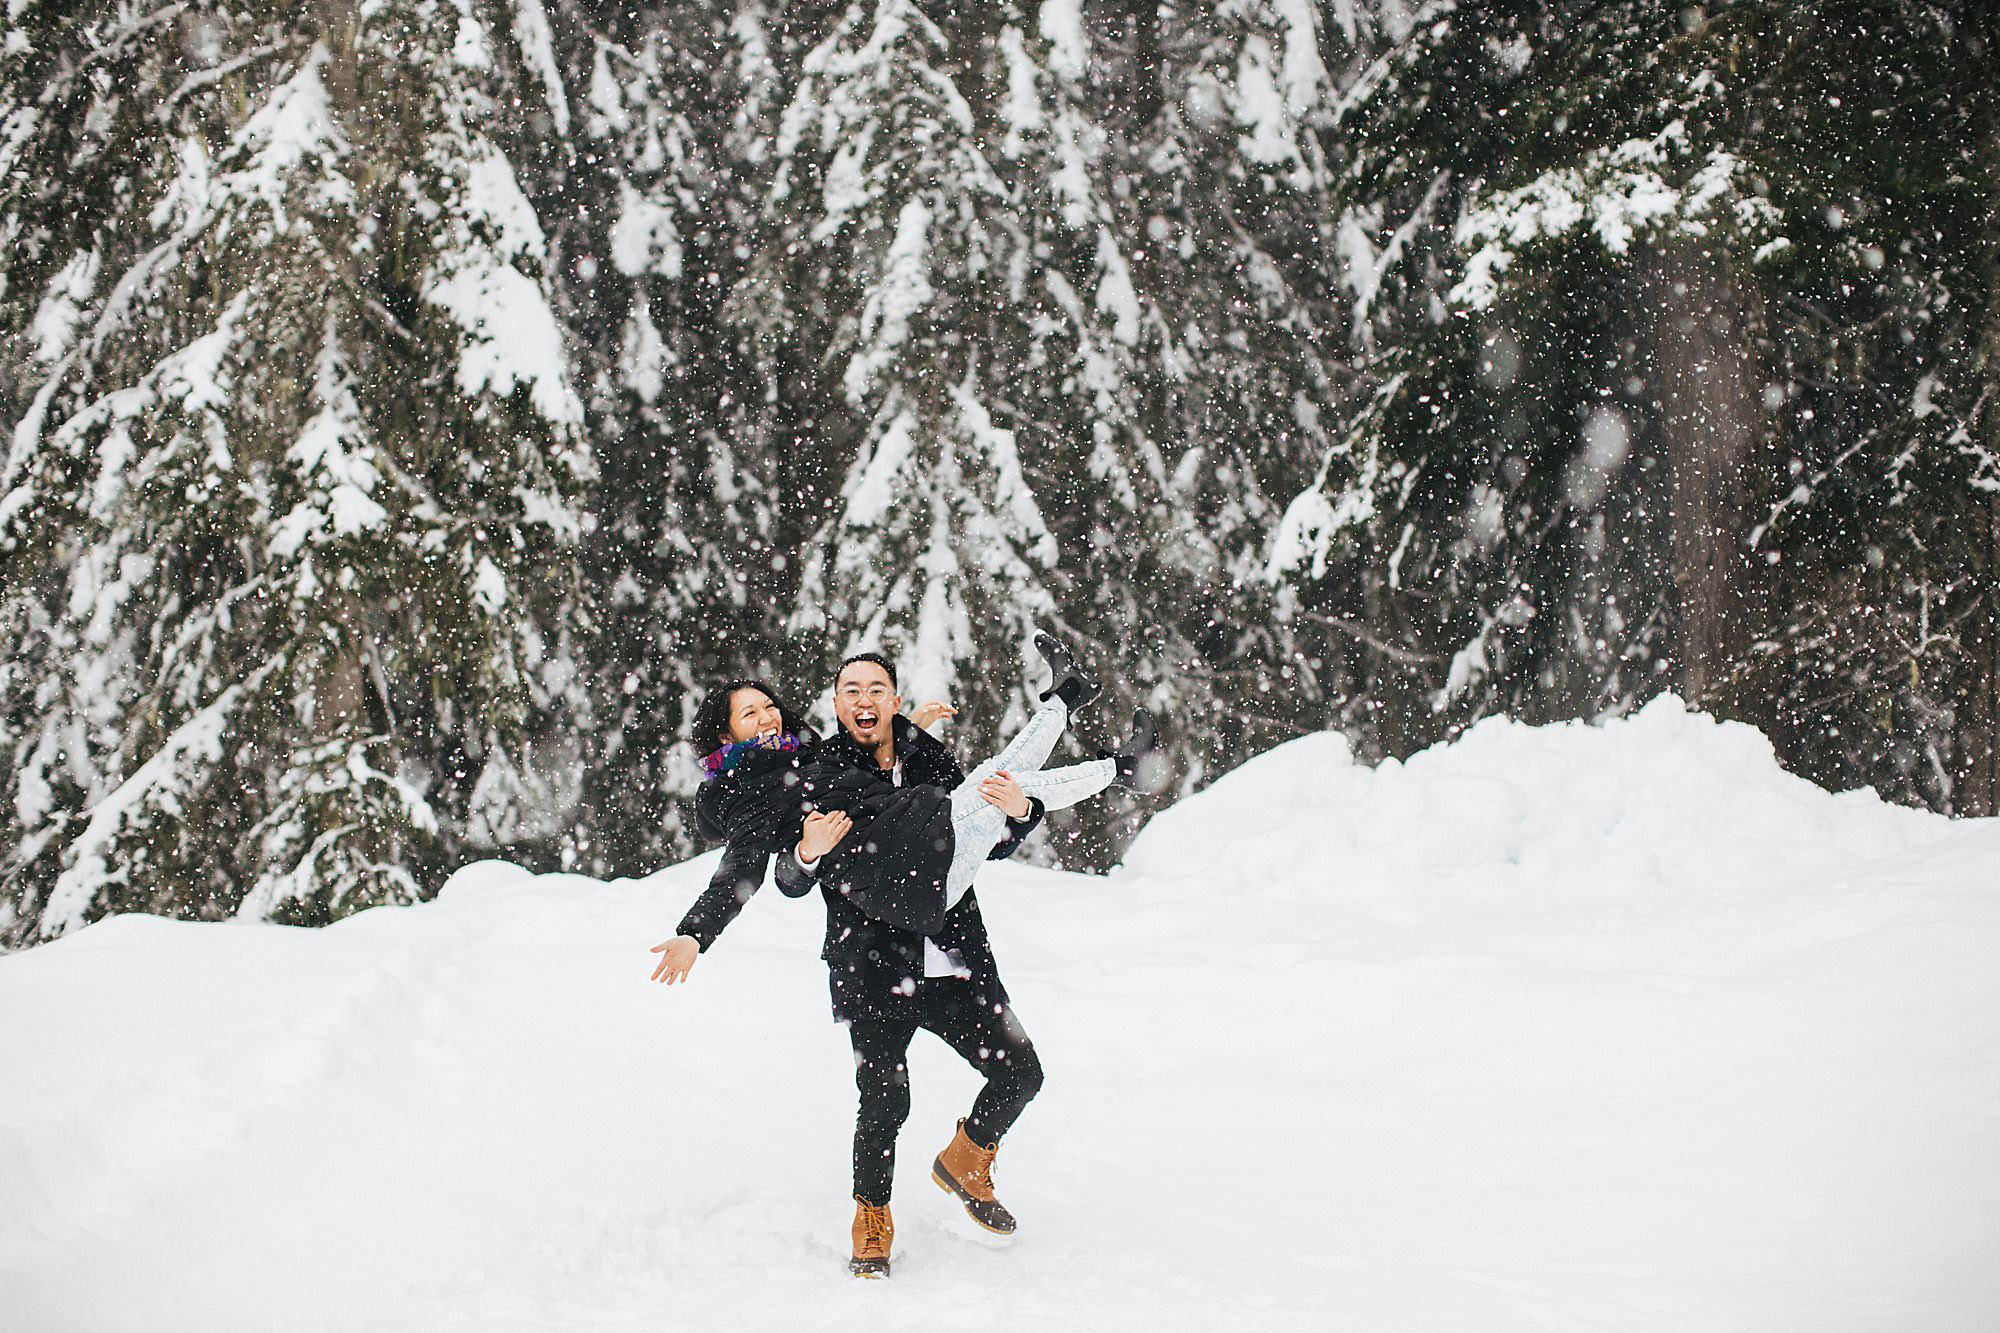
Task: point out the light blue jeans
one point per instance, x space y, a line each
977 827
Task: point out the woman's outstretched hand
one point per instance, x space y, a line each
934 711
823 832
677 955
1003 791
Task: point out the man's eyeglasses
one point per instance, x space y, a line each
872 693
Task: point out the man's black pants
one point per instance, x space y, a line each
993 1043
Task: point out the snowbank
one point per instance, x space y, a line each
1605 1028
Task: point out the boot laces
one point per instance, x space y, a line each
874 1228
981 1174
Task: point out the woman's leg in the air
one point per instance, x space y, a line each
977 827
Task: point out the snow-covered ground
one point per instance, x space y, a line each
1572 1028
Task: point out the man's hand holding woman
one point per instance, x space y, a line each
823 832
1003 791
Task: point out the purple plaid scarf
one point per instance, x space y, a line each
730 755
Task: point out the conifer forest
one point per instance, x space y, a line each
412 406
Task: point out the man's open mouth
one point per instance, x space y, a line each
865 719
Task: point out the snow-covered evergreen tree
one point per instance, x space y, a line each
1218 177
1658 418
276 602
888 262
689 571
1066 387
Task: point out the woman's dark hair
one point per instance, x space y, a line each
711 720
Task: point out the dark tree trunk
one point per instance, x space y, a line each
339 22
1710 418
339 696
1977 724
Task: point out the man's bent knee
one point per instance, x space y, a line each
1025 1073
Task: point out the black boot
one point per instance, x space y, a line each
1073 685
1141 767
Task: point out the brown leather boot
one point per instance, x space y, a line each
965 1168
873 1232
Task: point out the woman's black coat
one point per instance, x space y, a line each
892 865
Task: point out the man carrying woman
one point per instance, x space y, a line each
881 818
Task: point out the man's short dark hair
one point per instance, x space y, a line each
877 659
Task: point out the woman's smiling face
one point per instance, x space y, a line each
753 717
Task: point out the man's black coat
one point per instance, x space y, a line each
873 967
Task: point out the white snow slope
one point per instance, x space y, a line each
1570 1028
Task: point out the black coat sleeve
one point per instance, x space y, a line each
1017 832
926 761
739 876
794 880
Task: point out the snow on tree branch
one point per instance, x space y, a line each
1617 194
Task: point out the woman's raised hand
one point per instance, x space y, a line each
934 711
677 955
823 832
